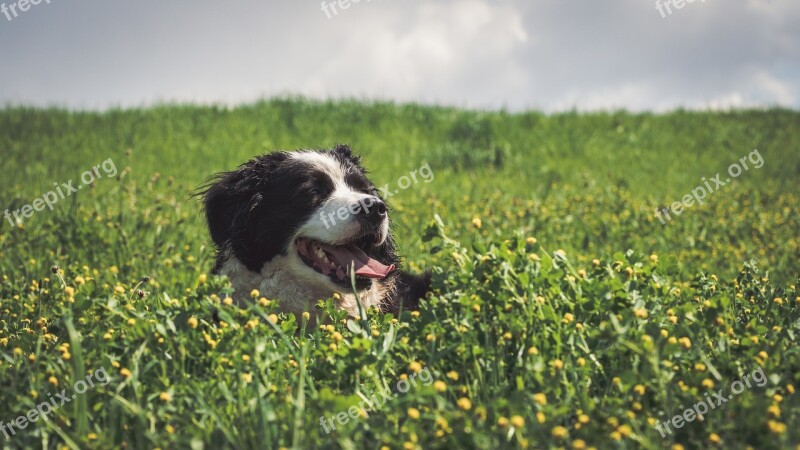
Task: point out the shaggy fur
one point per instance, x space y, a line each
278 227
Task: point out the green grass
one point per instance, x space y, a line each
552 276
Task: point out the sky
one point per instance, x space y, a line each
549 55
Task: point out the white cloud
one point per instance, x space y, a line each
550 54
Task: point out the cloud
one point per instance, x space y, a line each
550 54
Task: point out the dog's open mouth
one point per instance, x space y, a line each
336 261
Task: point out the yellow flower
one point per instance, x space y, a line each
533 351
464 403
700 367
202 278
273 318
540 398
714 438
558 364
66 356
559 432
476 222
53 380
596 262
677 447
530 240
654 258
640 313
776 427
192 322
625 430
263 302
306 315
415 366
125 373
517 421
80 281
440 386
568 317
502 422
639 389
708 383
70 291
540 417
413 413
685 342
254 293
131 322
246 358
774 410
453 375
32 357
91 436
336 336
581 362
108 336
119 290
583 419
578 444
778 300
165 396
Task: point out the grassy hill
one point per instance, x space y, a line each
566 314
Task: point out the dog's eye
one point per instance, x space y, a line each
358 182
320 186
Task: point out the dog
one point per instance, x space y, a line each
301 226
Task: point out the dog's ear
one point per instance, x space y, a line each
343 153
232 196
222 204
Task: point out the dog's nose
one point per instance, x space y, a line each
373 208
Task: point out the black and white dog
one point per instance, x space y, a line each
295 225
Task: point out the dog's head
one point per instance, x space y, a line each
316 209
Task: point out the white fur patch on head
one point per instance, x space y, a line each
336 221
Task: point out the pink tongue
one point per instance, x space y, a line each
364 265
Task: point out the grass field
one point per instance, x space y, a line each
565 314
